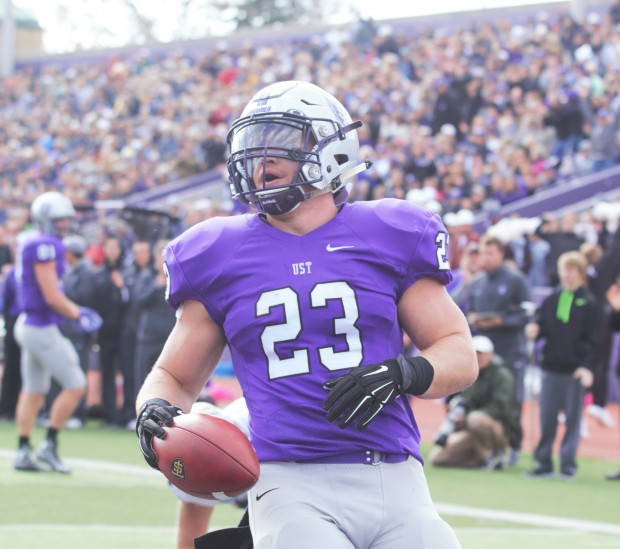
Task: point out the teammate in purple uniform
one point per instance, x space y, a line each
46 353
312 296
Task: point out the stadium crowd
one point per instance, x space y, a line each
477 116
459 119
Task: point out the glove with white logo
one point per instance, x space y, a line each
88 322
153 414
366 390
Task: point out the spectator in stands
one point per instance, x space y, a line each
583 163
570 323
507 189
565 117
604 146
614 13
464 275
214 148
107 129
465 234
560 234
447 105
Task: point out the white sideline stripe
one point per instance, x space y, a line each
98 465
443 508
529 518
167 529
538 532
87 527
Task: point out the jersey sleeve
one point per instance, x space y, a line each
178 288
43 251
193 262
430 254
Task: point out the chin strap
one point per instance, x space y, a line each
348 174
316 192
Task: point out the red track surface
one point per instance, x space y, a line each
602 442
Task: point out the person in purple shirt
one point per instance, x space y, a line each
312 295
45 352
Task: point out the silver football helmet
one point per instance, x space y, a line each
47 208
296 121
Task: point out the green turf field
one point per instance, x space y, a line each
113 499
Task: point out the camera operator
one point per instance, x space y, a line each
481 419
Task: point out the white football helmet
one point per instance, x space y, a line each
296 121
49 207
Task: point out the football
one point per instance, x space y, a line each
207 457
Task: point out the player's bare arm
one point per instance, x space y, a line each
188 358
438 328
190 355
47 280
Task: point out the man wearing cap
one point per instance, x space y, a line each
481 419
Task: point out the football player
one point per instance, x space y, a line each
312 295
46 353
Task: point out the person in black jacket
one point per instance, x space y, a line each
570 322
136 275
613 298
155 319
111 300
11 375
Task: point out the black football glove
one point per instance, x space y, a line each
154 413
366 390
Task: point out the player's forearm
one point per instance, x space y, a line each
454 361
62 305
160 383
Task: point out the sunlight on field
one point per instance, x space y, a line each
533 538
154 537
112 499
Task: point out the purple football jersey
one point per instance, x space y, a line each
299 310
34 247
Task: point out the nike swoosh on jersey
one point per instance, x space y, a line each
259 496
331 248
